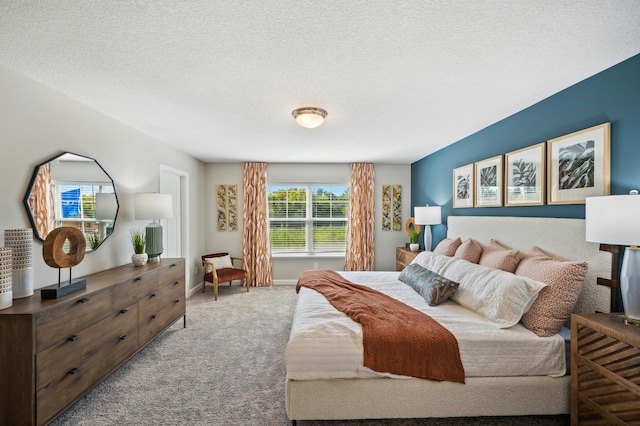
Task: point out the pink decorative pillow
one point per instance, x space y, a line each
470 250
556 301
448 246
498 257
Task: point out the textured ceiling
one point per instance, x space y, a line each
218 79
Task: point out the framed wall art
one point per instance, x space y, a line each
463 186
578 165
488 178
391 207
227 207
524 176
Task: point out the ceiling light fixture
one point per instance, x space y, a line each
309 117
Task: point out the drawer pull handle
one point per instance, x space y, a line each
154 316
83 300
139 278
153 295
73 338
123 311
74 370
177 301
176 283
123 337
172 265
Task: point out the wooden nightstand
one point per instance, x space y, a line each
404 256
605 371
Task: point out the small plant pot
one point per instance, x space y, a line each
140 259
414 247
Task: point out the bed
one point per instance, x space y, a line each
530 383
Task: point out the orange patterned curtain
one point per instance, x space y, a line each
360 241
41 202
255 246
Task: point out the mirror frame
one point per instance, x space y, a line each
34 176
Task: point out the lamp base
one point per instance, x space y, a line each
630 282
427 237
153 239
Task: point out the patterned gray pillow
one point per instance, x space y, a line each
433 287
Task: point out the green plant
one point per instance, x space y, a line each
137 238
94 241
413 237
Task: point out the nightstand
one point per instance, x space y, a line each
404 256
605 371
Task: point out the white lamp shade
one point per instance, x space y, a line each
428 215
106 206
309 117
153 206
613 219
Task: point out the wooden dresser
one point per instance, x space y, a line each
404 256
605 371
54 351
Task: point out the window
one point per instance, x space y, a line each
76 205
308 219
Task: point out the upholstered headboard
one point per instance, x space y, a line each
563 238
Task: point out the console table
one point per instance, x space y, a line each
54 351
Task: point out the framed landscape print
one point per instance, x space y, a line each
578 165
524 176
463 186
488 177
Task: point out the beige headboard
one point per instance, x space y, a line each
564 238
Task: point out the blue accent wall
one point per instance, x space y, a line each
610 96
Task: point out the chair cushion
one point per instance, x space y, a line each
220 262
230 274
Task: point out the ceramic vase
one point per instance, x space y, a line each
21 243
139 259
6 298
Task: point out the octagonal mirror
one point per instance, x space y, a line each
72 190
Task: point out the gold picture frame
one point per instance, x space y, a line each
524 176
463 186
578 165
488 178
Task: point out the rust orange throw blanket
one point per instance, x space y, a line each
397 338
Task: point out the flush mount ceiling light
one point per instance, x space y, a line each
309 117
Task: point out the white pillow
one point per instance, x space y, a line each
220 262
499 296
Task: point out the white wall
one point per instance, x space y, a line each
288 270
38 123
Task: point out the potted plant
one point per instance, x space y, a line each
413 238
137 238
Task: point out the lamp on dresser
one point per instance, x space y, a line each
428 215
613 219
153 206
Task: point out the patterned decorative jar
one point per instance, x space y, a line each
21 243
6 297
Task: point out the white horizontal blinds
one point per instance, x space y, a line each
308 218
330 208
287 219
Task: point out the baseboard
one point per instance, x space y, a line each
285 282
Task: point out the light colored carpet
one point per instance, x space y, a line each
225 368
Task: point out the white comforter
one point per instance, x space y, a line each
326 344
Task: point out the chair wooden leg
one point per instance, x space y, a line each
215 291
247 284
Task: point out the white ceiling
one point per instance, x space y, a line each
218 79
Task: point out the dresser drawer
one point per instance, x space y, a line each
63 391
171 275
151 325
135 289
55 325
75 349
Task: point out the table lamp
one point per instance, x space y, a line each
613 219
427 215
153 206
